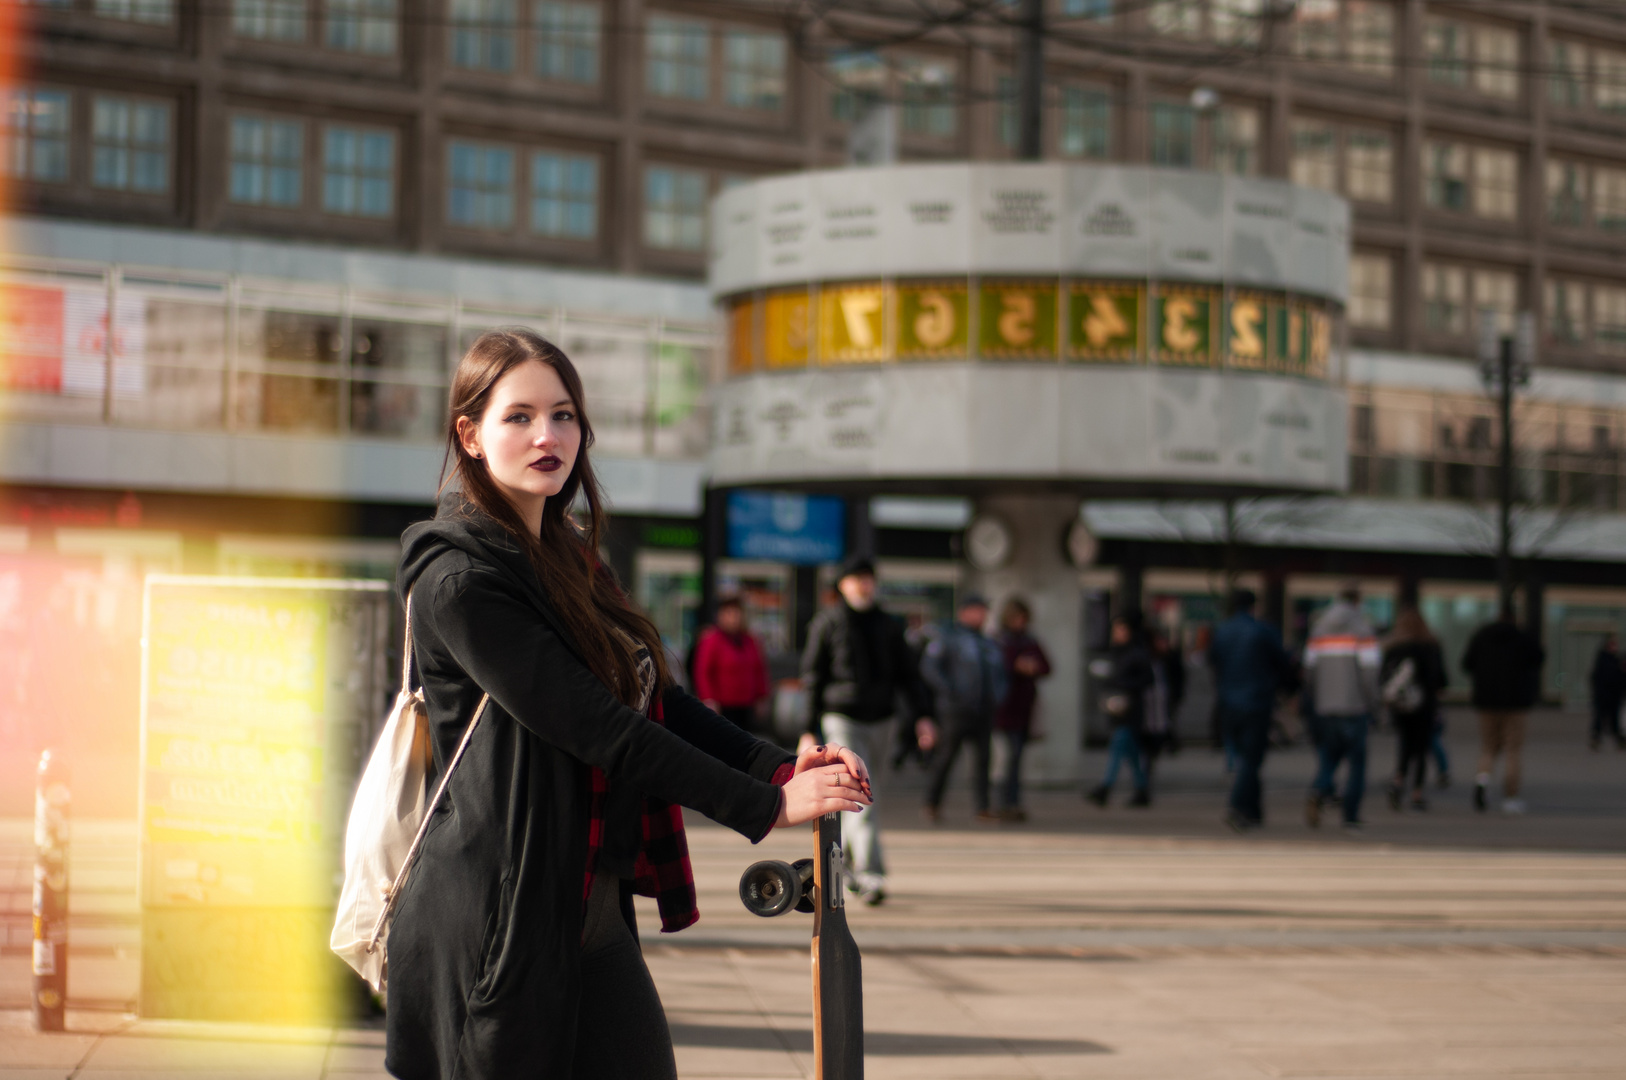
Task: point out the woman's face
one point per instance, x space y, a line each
529 436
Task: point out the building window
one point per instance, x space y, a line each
1176 18
1609 318
1315 154
1371 291
267 162
1477 180
480 192
1174 134
149 12
753 70
1370 166
1086 123
564 195
568 39
1609 198
1609 80
1465 55
358 172
928 91
1358 34
269 20
678 54
1497 291
675 208
38 123
1236 141
1496 184
1566 311
483 32
130 145
1566 74
1445 299
1446 43
1092 10
1566 192
1236 22
1007 113
361 26
860 80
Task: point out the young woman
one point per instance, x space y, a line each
513 952
1412 675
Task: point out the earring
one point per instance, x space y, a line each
478 456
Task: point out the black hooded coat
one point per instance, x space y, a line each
484 950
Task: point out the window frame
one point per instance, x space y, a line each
712 183
891 65
1471 151
170 149
306 202
717 34
1347 56
1478 71
320 160
319 19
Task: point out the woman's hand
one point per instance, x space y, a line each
811 756
820 790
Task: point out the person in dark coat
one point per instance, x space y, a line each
513 950
966 672
1608 688
1411 676
1025 664
1126 675
1505 665
855 667
1250 666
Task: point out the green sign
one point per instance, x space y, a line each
933 320
1017 320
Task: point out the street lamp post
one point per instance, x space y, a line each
1505 361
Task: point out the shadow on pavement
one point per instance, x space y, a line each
877 1043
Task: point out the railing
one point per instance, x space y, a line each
199 352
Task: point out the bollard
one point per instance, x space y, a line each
51 795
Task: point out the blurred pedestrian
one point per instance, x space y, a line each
966 673
1161 731
1436 747
1126 676
1025 664
730 675
1608 687
1412 676
855 667
1504 663
1249 666
1341 663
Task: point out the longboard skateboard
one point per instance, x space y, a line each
772 887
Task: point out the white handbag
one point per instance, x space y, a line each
387 822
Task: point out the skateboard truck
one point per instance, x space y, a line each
773 887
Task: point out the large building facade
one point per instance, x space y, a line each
246 241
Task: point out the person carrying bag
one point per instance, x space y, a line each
512 945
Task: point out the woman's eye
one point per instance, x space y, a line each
564 416
517 418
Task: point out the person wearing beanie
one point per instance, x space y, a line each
855 666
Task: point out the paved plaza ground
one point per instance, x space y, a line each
1116 944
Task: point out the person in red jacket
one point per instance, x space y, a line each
730 676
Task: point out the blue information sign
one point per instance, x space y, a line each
800 529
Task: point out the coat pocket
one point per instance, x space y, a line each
494 944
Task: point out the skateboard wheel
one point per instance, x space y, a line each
770 888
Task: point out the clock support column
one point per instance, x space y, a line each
1036 567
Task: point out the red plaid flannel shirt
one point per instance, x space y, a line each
662 869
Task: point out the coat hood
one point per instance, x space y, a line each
459 525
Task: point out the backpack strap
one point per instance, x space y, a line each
429 812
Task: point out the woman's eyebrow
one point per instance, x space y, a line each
563 401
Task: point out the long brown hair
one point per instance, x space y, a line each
1410 627
565 554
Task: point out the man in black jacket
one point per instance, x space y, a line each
1505 665
854 667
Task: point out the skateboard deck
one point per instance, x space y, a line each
770 888
838 982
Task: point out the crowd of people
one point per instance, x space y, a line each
962 685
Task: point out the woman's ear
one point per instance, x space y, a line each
468 433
